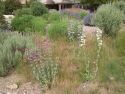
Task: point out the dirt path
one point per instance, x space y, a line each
20 86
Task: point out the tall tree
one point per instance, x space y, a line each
95 3
2 20
1 6
11 5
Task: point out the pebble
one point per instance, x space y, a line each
12 87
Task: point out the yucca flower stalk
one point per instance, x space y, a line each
82 38
99 46
88 74
82 43
81 35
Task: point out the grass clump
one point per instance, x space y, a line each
54 16
113 70
58 29
39 25
120 43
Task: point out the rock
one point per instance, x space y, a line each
112 78
88 19
12 87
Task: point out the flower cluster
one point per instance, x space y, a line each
33 55
99 38
75 30
81 35
99 46
70 30
99 42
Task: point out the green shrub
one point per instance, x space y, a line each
108 18
11 6
22 23
23 11
83 14
113 70
46 72
12 51
38 9
39 24
54 16
120 5
30 23
58 29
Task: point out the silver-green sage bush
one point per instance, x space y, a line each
12 50
109 19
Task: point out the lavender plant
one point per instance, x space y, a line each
11 52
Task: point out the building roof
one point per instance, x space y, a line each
59 1
66 1
53 1
23 1
47 1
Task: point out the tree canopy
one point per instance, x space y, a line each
11 5
1 6
95 3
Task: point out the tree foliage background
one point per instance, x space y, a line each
95 3
2 21
11 6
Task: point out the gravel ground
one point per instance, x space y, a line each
89 29
24 88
